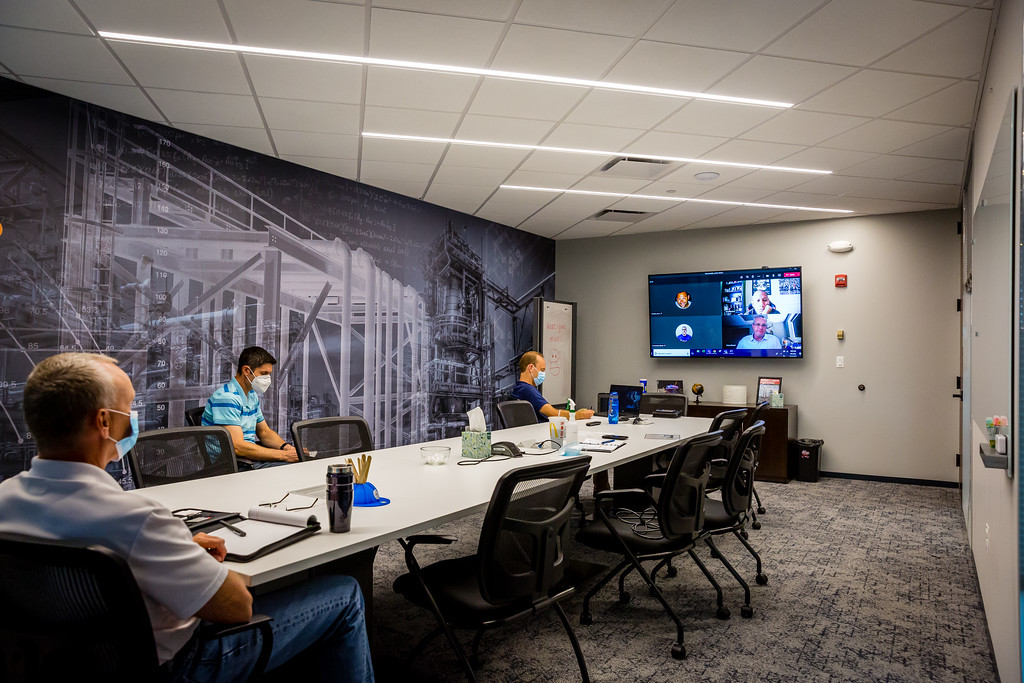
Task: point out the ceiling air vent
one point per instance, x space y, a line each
621 215
633 167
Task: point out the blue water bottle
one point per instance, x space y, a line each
613 408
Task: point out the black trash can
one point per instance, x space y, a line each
808 459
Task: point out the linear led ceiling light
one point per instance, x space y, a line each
672 199
592 152
440 68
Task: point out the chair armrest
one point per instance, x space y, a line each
429 539
655 479
211 631
620 497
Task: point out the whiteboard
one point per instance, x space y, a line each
555 338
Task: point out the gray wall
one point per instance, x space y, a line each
898 313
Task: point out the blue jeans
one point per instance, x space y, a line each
323 612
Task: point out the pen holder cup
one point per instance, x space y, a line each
367 496
476 445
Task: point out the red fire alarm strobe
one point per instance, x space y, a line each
840 280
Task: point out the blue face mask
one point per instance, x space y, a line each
540 378
126 444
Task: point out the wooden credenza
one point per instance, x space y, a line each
780 427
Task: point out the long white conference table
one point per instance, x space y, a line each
422 496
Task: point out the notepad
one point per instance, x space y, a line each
266 530
600 445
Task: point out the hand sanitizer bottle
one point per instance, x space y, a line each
572 431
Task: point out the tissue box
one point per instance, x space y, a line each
476 445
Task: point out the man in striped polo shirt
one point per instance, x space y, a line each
236 407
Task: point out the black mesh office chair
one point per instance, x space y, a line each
644 529
516 414
164 456
757 414
73 611
519 568
651 402
730 423
730 514
194 416
327 437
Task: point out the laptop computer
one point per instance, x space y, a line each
629 400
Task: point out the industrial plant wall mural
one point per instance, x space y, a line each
172 252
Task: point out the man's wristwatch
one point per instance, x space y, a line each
284 445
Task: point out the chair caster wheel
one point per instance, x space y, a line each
746 611
723 613
624 598
760 510
586 620
744 534
762 579
671 571
756 525
678 651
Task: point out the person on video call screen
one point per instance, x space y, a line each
760 339
683 300
761 304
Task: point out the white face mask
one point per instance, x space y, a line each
261 383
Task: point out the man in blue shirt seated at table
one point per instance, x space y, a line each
531 376
78 407
236 406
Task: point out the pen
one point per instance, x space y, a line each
608 441
233 528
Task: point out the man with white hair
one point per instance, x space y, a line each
78 407
760 339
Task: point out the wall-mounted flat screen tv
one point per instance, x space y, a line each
753 313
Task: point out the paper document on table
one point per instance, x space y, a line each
600 445
257 535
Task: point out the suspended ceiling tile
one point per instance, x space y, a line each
503 129
421 37
123 98
835 185
293 143
189 19
732 193
870 29
529 178
252 139
613 17
804 199
59 55
418 90
305 79
395 170
953 106
714 118
883 206
482 157
515 206
167 67
46 15
781 80
771 180
409 122
182 106
951 144
732 25
826 159
408 188
314 117
676 144
686 174
544 226
298 25
740 216
599 184
658 64
909 191
601 138
458 197
590 228
883 136
644 204
754 152
553 52
675 218
630 110
803 127
948 172
502 97
450 174
873 93
559 162
497 10
345 168
890 166
401 151
956 49
793 216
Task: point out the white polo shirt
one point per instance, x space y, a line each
78 501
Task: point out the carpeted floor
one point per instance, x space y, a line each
867 582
